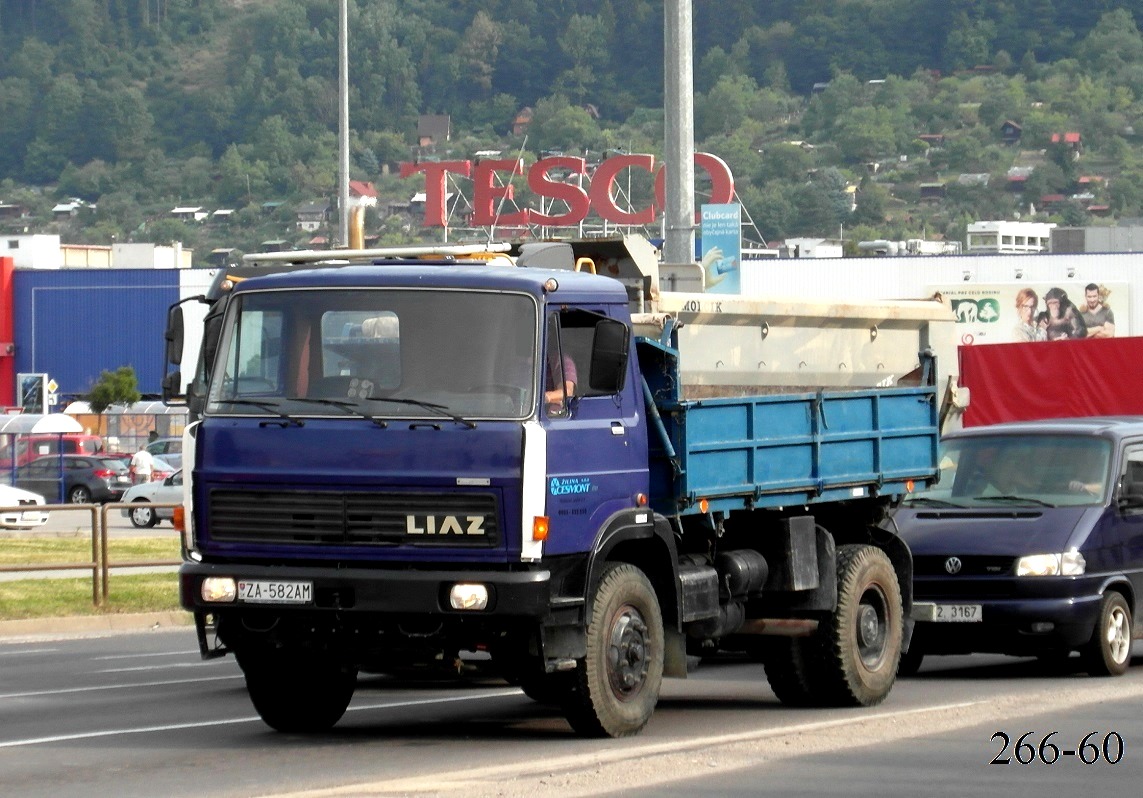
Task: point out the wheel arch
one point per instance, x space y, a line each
650 547
1122 585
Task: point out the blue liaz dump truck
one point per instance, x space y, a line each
582 481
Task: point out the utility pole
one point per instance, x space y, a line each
679 156
343 122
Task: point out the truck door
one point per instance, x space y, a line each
596 440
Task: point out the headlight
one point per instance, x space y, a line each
1070 563
218 589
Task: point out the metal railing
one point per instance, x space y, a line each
100 564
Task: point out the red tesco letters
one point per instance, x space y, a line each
489 198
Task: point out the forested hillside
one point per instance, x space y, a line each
135 106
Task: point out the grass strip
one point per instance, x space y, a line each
55 598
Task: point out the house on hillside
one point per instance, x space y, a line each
933 191
190 214
433 129
1010 132
522 120
359 189
1071 140
313 215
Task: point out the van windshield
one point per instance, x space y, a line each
1014 470
383 353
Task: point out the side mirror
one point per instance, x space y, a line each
174 335
609 350
172 386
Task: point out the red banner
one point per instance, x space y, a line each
1052 379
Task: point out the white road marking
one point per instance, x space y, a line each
95 688
204 663
193 653
61 738
28 651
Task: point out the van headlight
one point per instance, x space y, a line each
1069 563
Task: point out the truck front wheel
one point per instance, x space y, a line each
302 696
860 643
617 683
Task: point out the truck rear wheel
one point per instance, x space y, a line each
860 643
617 683
788 672
305 696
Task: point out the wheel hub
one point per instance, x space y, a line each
628 653
1118 636
872 629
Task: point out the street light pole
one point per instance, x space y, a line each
343 122
679 155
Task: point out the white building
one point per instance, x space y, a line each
1009 238
46 252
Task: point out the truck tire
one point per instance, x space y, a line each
788 671
859 645
616 685
303 697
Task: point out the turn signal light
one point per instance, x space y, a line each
540 527
179 519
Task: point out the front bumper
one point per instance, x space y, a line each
375 591
1016 626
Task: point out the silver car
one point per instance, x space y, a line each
142 496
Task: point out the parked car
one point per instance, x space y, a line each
86 478
21 519
1031 543
164 446
162 468
142 515
26 448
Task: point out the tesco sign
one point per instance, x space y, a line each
579 201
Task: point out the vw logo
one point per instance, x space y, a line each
953 565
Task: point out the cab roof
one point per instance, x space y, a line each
572 286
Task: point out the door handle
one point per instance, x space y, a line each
617 428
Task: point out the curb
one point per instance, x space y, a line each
95 624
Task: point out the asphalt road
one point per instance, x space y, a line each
140 715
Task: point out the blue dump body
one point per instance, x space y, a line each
787 449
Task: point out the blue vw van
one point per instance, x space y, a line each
1031 543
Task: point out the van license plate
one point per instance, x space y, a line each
957 613
275 592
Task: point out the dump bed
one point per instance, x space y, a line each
781 449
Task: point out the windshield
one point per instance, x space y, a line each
394 353
1013 470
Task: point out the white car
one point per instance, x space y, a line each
169 491
21 519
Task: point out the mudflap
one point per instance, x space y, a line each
209 645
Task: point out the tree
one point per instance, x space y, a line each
118 387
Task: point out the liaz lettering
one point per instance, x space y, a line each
444 525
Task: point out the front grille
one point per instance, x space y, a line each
340 518
971 565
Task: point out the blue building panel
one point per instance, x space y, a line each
74 324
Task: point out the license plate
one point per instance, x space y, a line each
275 592
947 613
31 515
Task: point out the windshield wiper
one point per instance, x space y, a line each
349 407
433 406
269 407
1009 497
931 502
